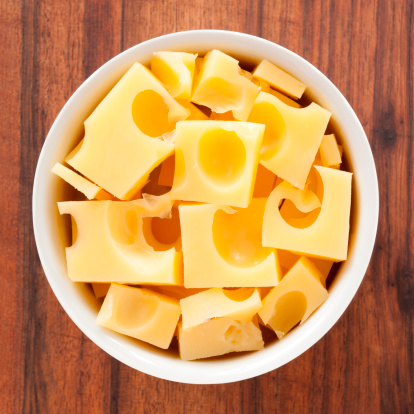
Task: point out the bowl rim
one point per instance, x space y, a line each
299 340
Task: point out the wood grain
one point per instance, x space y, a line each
365 364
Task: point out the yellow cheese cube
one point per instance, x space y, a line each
100 289
176 72
196 114
265 182
328 236
110 246
221 87
83 185
218 337
240 304
292 136
121 144
288 259
140 313
226 116
222 247
216 161
266 88
329 151
279 79
294 299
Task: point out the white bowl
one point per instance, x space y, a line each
77 299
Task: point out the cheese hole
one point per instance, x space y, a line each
123 226
167 231
239 295
150 113
234 334
275 130
222 157
289 311
132 313
296 218
238 238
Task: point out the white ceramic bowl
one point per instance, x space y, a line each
78 301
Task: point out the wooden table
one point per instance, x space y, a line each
365 363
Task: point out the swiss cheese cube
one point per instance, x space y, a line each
294 299
216 161
240 304
222 247
110 245
327 237
176 72
329 151
221 87
279 79
266 88
89 189
140 313
218 337
122 136
292 136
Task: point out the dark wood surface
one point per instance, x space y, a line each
365 363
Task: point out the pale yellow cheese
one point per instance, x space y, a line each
292 136
222 247
266 88
279 79
216 161
265 182
221 87
83 185
110 246
218 337
294 299
176 72
240 304
329 151
122 144
100 289
328 236
140 313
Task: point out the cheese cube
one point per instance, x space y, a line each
226 116
176 292
122 136
292 136
265 182
216 161
196 114
218 337
166 176
222 247
329 151
176 72
294 299
110 245
266 88
241 304
328 236
140 313
221 87
100 289
279 79
89 189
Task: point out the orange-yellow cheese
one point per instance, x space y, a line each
83 185
327 237
140 313
266 88
176 292
265 182
225 116
292 136
294 299
110 246
100 289
166 176
221 87
216 161
329 151
279 79
218 337
196 114
122 141
240 304
222 247
176 72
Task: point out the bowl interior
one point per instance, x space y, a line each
52 235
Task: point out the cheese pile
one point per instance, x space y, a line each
214 206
